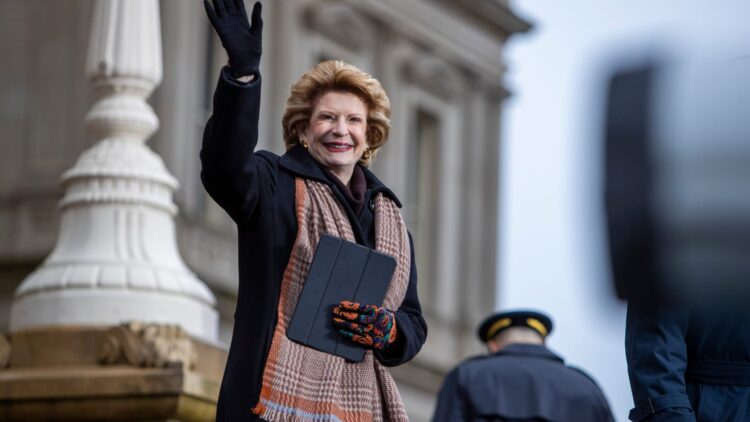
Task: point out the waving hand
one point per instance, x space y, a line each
241 40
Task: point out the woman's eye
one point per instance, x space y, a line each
355 119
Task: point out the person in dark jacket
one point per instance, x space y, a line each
521 380
336 119
689 363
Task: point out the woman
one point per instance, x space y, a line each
336 119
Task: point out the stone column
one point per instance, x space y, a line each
111 326
116 258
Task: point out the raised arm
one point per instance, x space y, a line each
229 167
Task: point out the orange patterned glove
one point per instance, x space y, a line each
369 325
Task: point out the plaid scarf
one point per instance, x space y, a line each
301 383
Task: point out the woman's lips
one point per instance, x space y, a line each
336 147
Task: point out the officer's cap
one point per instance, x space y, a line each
498 322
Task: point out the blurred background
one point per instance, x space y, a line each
498 123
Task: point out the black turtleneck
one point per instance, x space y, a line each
357 196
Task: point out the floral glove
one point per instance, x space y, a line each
369 325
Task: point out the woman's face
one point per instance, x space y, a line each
336 132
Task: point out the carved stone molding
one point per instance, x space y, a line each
135 372
119 157
496 14
115 276
147 345
342 23
435 75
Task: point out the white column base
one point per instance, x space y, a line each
101 307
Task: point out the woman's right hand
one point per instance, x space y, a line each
242 41
368 325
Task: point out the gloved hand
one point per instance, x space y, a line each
242 42
368 325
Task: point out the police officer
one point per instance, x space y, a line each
520 379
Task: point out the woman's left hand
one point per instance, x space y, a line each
242 41
369 325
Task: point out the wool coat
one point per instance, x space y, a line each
689 364
520 383
257 190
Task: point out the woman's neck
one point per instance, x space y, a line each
344 174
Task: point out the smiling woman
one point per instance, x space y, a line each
336 118
343 81
335 135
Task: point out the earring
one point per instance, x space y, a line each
304 144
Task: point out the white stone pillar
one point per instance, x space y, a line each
116 257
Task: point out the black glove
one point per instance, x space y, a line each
242 42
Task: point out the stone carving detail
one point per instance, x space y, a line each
341 23
435 75
147 345
5 350
120 171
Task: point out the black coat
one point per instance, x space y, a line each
520 383
688 364
257 190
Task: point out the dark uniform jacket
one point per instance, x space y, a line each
688 365
521 382
257 190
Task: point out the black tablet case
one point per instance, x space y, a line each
340 270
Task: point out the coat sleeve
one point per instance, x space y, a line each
230 171
410 325
451 403
657 359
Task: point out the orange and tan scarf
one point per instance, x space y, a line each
301 383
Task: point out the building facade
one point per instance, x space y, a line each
439 60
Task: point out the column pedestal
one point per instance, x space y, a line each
133 372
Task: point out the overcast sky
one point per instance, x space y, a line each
551 254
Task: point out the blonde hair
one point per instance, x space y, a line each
335 75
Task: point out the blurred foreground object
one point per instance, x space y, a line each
678 213
677 152
688 363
